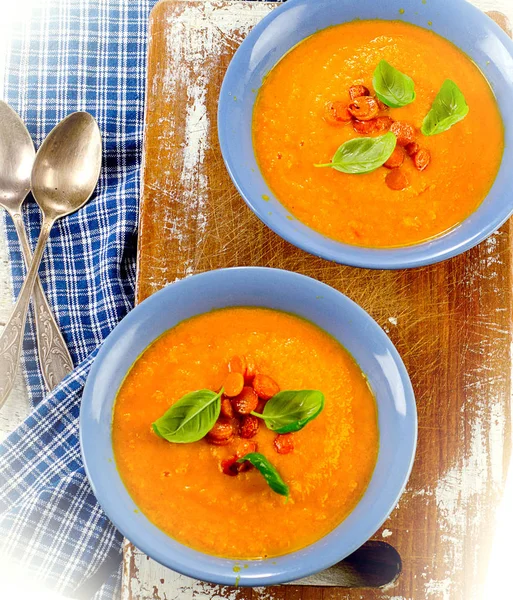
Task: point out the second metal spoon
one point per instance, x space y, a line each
16 160
64 176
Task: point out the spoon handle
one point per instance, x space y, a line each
54 357
12 335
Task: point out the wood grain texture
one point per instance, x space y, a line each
450 322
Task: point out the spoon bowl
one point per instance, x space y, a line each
67 166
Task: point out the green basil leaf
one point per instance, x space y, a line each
269 472
289 410
392 87
363 155
448 108
191 418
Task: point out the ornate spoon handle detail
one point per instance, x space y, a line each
12 335
54 357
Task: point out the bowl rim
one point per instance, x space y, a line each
446 245
127 524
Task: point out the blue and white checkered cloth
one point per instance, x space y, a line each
74 55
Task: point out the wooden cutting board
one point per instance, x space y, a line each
451 323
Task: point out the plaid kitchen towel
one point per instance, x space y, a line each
68 55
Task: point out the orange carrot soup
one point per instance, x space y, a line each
290 433
362 81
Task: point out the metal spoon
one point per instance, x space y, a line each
16 160
64 176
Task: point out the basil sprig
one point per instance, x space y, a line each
269 472
393 88
290 410
191 418
363 155
448 108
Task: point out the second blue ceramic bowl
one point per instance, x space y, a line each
272 288
458 21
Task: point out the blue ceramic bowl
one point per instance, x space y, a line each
271 288
460 22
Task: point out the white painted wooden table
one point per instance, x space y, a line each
17 407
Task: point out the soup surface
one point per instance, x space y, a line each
291 135
181 487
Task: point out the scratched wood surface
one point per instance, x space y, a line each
451 323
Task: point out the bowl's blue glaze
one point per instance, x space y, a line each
461 23
271 288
